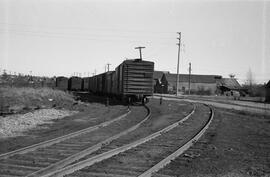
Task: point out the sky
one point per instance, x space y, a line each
67 37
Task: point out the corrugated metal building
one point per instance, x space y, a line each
199 84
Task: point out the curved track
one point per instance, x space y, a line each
181 150
59 139
147 155
105 154
40 158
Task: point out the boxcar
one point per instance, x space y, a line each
114 84
75 83
93 84
134 78
61 83
86 83
108 82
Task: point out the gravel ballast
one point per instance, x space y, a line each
15 125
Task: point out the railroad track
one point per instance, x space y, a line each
43 161
146 155
40 158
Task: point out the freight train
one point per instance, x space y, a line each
132 80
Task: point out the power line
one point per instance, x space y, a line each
90 29
78 36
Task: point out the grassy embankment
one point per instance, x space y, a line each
20 100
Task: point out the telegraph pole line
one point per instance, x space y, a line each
140 49
177 80
189 71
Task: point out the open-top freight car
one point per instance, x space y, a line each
61 83
75 83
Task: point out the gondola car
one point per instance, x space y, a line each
61 83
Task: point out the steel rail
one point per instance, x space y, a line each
92 160
181 150
62 138
54 167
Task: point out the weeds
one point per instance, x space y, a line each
13 99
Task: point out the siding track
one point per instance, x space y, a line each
37 159
107 161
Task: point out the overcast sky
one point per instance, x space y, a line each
50 37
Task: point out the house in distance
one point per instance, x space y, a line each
199 84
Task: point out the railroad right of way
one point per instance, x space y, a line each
122 159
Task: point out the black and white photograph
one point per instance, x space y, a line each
134 88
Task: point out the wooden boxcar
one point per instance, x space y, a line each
93 84
108 82
86 83
134 78
75 83
61 83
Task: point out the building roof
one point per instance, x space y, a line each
268 84
230 83
159 74
194 78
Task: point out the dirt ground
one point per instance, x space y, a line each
90 114
236 145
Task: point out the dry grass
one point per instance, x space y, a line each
14 99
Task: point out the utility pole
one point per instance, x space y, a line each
140 49
108 66
189 71
177 80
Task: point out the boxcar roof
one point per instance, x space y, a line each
136 61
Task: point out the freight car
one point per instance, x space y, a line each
86 84
131 80
75 83
134 79
61 83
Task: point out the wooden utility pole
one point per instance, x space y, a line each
189 71
177 80
140 49
108 66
